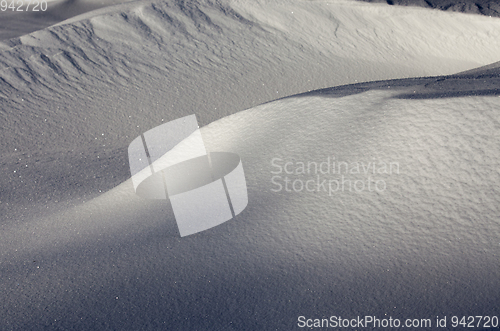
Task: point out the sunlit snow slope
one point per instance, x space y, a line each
79 250
425 243
73 96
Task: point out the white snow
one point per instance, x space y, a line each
78 249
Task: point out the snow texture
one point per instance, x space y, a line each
275 83
484 7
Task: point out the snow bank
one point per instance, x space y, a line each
105 79
78 249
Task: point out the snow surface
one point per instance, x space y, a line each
79 250
484 7
22 20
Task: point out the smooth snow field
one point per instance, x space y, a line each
368 134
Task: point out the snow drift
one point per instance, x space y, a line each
80 250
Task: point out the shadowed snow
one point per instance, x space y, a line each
79 250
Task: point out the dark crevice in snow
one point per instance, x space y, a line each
452 86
